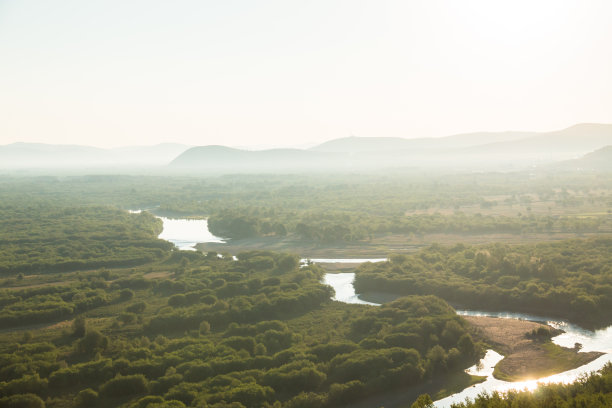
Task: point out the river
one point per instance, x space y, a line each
599 340
186 233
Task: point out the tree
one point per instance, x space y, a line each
466 345
121 386
79 326
204 327
424 401
22 401
288 263
93 342
86 398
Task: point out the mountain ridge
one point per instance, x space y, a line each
43 155
476 150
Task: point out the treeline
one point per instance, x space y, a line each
331 227
41 238
52 303
592 391
257 332
570 279
344 208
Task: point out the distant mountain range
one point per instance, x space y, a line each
222 158
600 160
575 140
39 155
476 151
355 144
469 151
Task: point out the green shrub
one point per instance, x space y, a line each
22 401
122 386
93 342
86 398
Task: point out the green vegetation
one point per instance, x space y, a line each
222 331
570 279
95 311
593 391
189 329
38 237
556 359
326 209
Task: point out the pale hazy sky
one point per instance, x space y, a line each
247 72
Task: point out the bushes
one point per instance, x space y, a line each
79 327
295 377
22 401
241 364
549 277
93 342
86 398
341 394
307 400
27 384
35 238
250 395
122 386
137 307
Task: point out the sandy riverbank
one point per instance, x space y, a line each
524 357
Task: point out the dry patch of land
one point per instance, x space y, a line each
377 247
524 357
157 275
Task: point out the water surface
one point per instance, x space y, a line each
599 340
185 233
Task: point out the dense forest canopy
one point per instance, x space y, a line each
95 310
42 237
216 331
348 208
570 279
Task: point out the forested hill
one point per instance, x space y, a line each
577 139
469 151
40 155
355 144
486 150
599 160
222 158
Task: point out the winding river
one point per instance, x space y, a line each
599 340
186 233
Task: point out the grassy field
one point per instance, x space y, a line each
379 246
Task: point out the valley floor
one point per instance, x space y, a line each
379 245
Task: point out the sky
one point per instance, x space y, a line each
112 73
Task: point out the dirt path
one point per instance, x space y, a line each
525 357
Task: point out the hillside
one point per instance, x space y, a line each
216 158
470 151
40 155
354 144
482 151
599 160
572 141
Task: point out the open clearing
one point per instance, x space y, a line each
379 246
